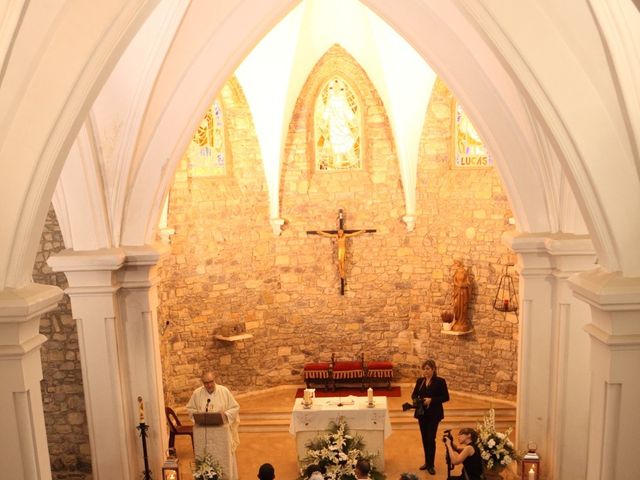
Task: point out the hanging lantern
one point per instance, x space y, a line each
506 296
170 467
530 464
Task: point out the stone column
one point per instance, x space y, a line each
569 381
552 380
114 301
614 422
139 306
93 291
23 443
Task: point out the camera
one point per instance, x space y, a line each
447 434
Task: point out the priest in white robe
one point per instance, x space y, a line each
218 441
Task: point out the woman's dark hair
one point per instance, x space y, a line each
472 432
266 472
312 468
363 466
432 364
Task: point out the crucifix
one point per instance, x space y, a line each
341 235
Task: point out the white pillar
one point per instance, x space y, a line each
614 423
114 301
139 306
552 378
93 292
24 452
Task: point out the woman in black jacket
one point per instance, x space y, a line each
429 393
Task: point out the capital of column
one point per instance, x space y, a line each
140 265
89 272
542 254
20 311
615 305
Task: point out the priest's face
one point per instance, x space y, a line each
209 382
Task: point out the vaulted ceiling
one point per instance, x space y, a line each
113 92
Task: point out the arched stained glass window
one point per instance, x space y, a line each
469 150
206 152
337 127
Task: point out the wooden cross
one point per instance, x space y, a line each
341 235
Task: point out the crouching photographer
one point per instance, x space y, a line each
464 452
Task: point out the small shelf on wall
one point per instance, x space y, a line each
234 338
451 332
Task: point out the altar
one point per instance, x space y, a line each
372 424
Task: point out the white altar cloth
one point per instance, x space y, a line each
373 424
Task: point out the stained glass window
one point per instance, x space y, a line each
468 148
206 156
337 126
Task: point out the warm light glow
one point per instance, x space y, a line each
273 74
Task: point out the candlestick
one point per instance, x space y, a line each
370 394
532 474
141 409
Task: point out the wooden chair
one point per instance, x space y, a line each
177 428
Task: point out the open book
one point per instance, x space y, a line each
209 419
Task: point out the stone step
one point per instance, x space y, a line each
279 421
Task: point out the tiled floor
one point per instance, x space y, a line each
403 450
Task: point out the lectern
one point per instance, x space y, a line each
209 419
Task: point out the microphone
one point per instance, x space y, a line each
206 409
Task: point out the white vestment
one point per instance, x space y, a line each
220 441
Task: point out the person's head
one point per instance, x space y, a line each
362 468
314 472
209 381
429 368
467 436
266 472
408 476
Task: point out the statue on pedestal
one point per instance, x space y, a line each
461 297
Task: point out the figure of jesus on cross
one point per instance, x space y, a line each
341 235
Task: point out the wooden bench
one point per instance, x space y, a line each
317 373
379 372
350 372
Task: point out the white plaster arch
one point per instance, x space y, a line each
559 57
182 93
46 104
524 85
514 139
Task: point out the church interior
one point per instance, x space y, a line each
177 177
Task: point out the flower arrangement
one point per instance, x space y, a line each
496 450
336 454
206 468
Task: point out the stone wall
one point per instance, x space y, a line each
228 273
62 394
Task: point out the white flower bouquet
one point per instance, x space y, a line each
206 468
496 450
336 454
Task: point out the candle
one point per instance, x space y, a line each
532 474
506 304
307 396
370 394
141 409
